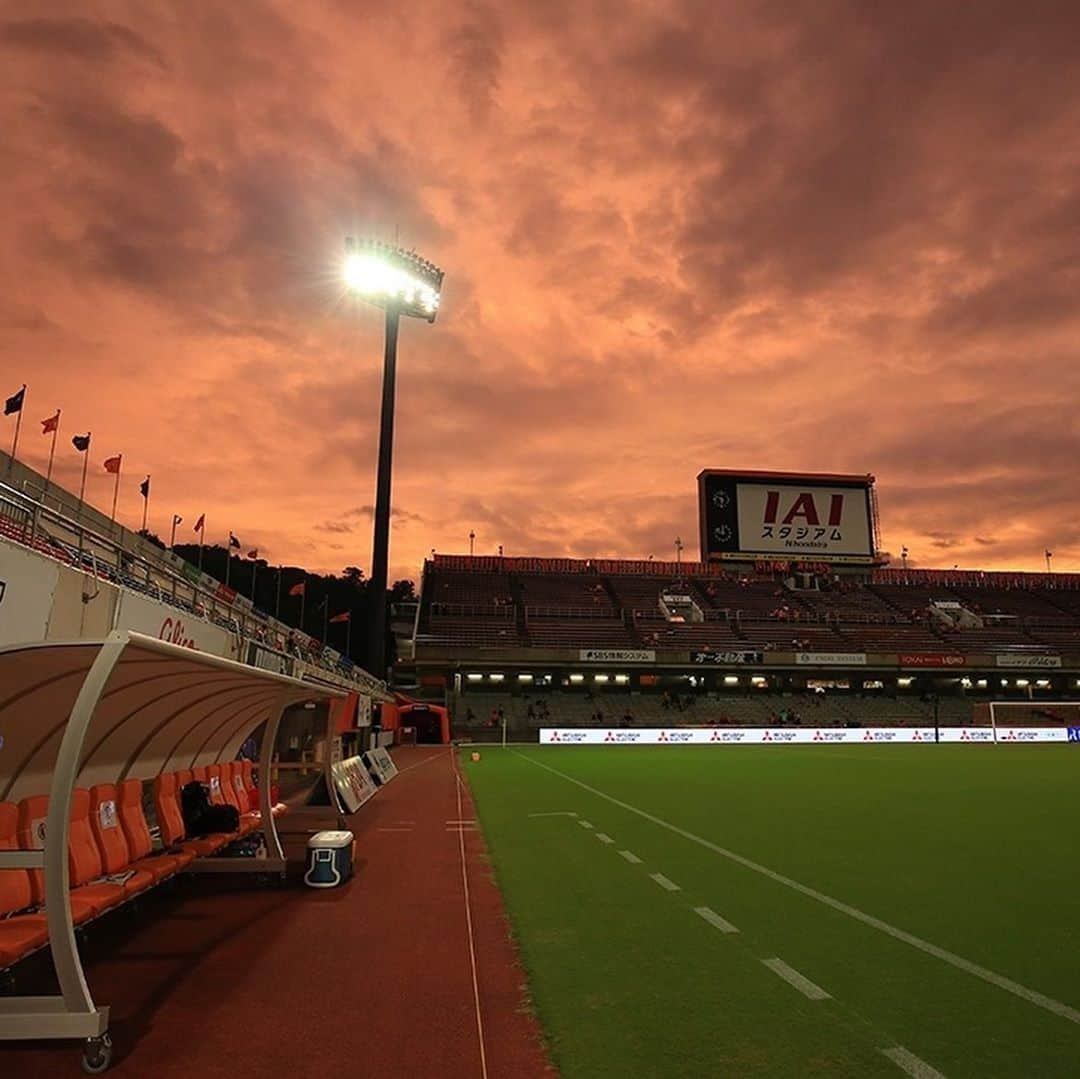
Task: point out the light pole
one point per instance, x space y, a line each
402 283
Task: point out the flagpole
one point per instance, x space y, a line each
18 427
325 618
348 636
202 533
277 598
303 597
115 493
254 575
52 454
172 534
146 504
82 485
228 558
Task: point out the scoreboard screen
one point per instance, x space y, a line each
815 517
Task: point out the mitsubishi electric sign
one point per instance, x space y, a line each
769 736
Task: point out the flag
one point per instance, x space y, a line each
144 487
233 541
81 442
343 617
1049 554
253 553
112 464
15 402
51 424
199 523
297 589
177 519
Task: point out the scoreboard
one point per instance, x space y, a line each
807 516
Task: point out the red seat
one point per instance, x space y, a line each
137 834
112 846
20 934
84 858
31 830
171 820
183 778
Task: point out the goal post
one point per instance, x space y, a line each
1032 715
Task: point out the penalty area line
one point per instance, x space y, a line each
991 977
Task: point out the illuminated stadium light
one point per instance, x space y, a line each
600 678
981 683
904 681
577 678
390 276
401 283
622 679
1042 683
759 680
474 677
731 679
1022 683
525 677
496 677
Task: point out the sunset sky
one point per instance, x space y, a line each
806 236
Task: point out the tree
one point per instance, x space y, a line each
403 592
354 575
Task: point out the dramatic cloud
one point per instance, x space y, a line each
836 237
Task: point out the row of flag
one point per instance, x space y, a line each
13 406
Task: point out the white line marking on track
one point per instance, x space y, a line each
667 885
794 978
910 1063
585 823
557 813
714 919
467 821
468 923
603 838
630 856
1032 996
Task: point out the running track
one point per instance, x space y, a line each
378 978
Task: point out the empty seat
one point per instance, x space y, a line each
84 858
137 833
112 846
23 933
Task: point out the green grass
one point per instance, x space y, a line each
973 849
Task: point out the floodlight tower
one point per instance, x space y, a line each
402 283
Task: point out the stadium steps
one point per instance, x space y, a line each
517 594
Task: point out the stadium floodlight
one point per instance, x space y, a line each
402 283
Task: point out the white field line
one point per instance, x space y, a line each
1032 996
714 919
467 820
585 823
667 885
794 978
557 813
469 924
630 856
603 838
910 1063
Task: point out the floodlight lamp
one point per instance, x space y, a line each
393 277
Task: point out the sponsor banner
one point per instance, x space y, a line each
363 710
669 597
732 658
830 659
383 762
1032 734
1074 734
268 659
617 655
750 736
931 659
353 782
169 624
1027 662
27 586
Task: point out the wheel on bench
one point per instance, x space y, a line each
97 1055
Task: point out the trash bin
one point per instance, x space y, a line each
329 859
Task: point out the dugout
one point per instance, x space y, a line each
79 714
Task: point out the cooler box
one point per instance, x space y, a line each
329 859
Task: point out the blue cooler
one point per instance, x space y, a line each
329 859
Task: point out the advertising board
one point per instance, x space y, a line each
170 624
617 655
758 736
750 515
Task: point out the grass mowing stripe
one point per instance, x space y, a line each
585 823
910 1063
794 978
1032 996
630 856
667 885
714 919
603 838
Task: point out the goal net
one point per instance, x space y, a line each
1039 720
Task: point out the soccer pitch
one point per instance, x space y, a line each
794 911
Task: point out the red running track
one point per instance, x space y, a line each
376 978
